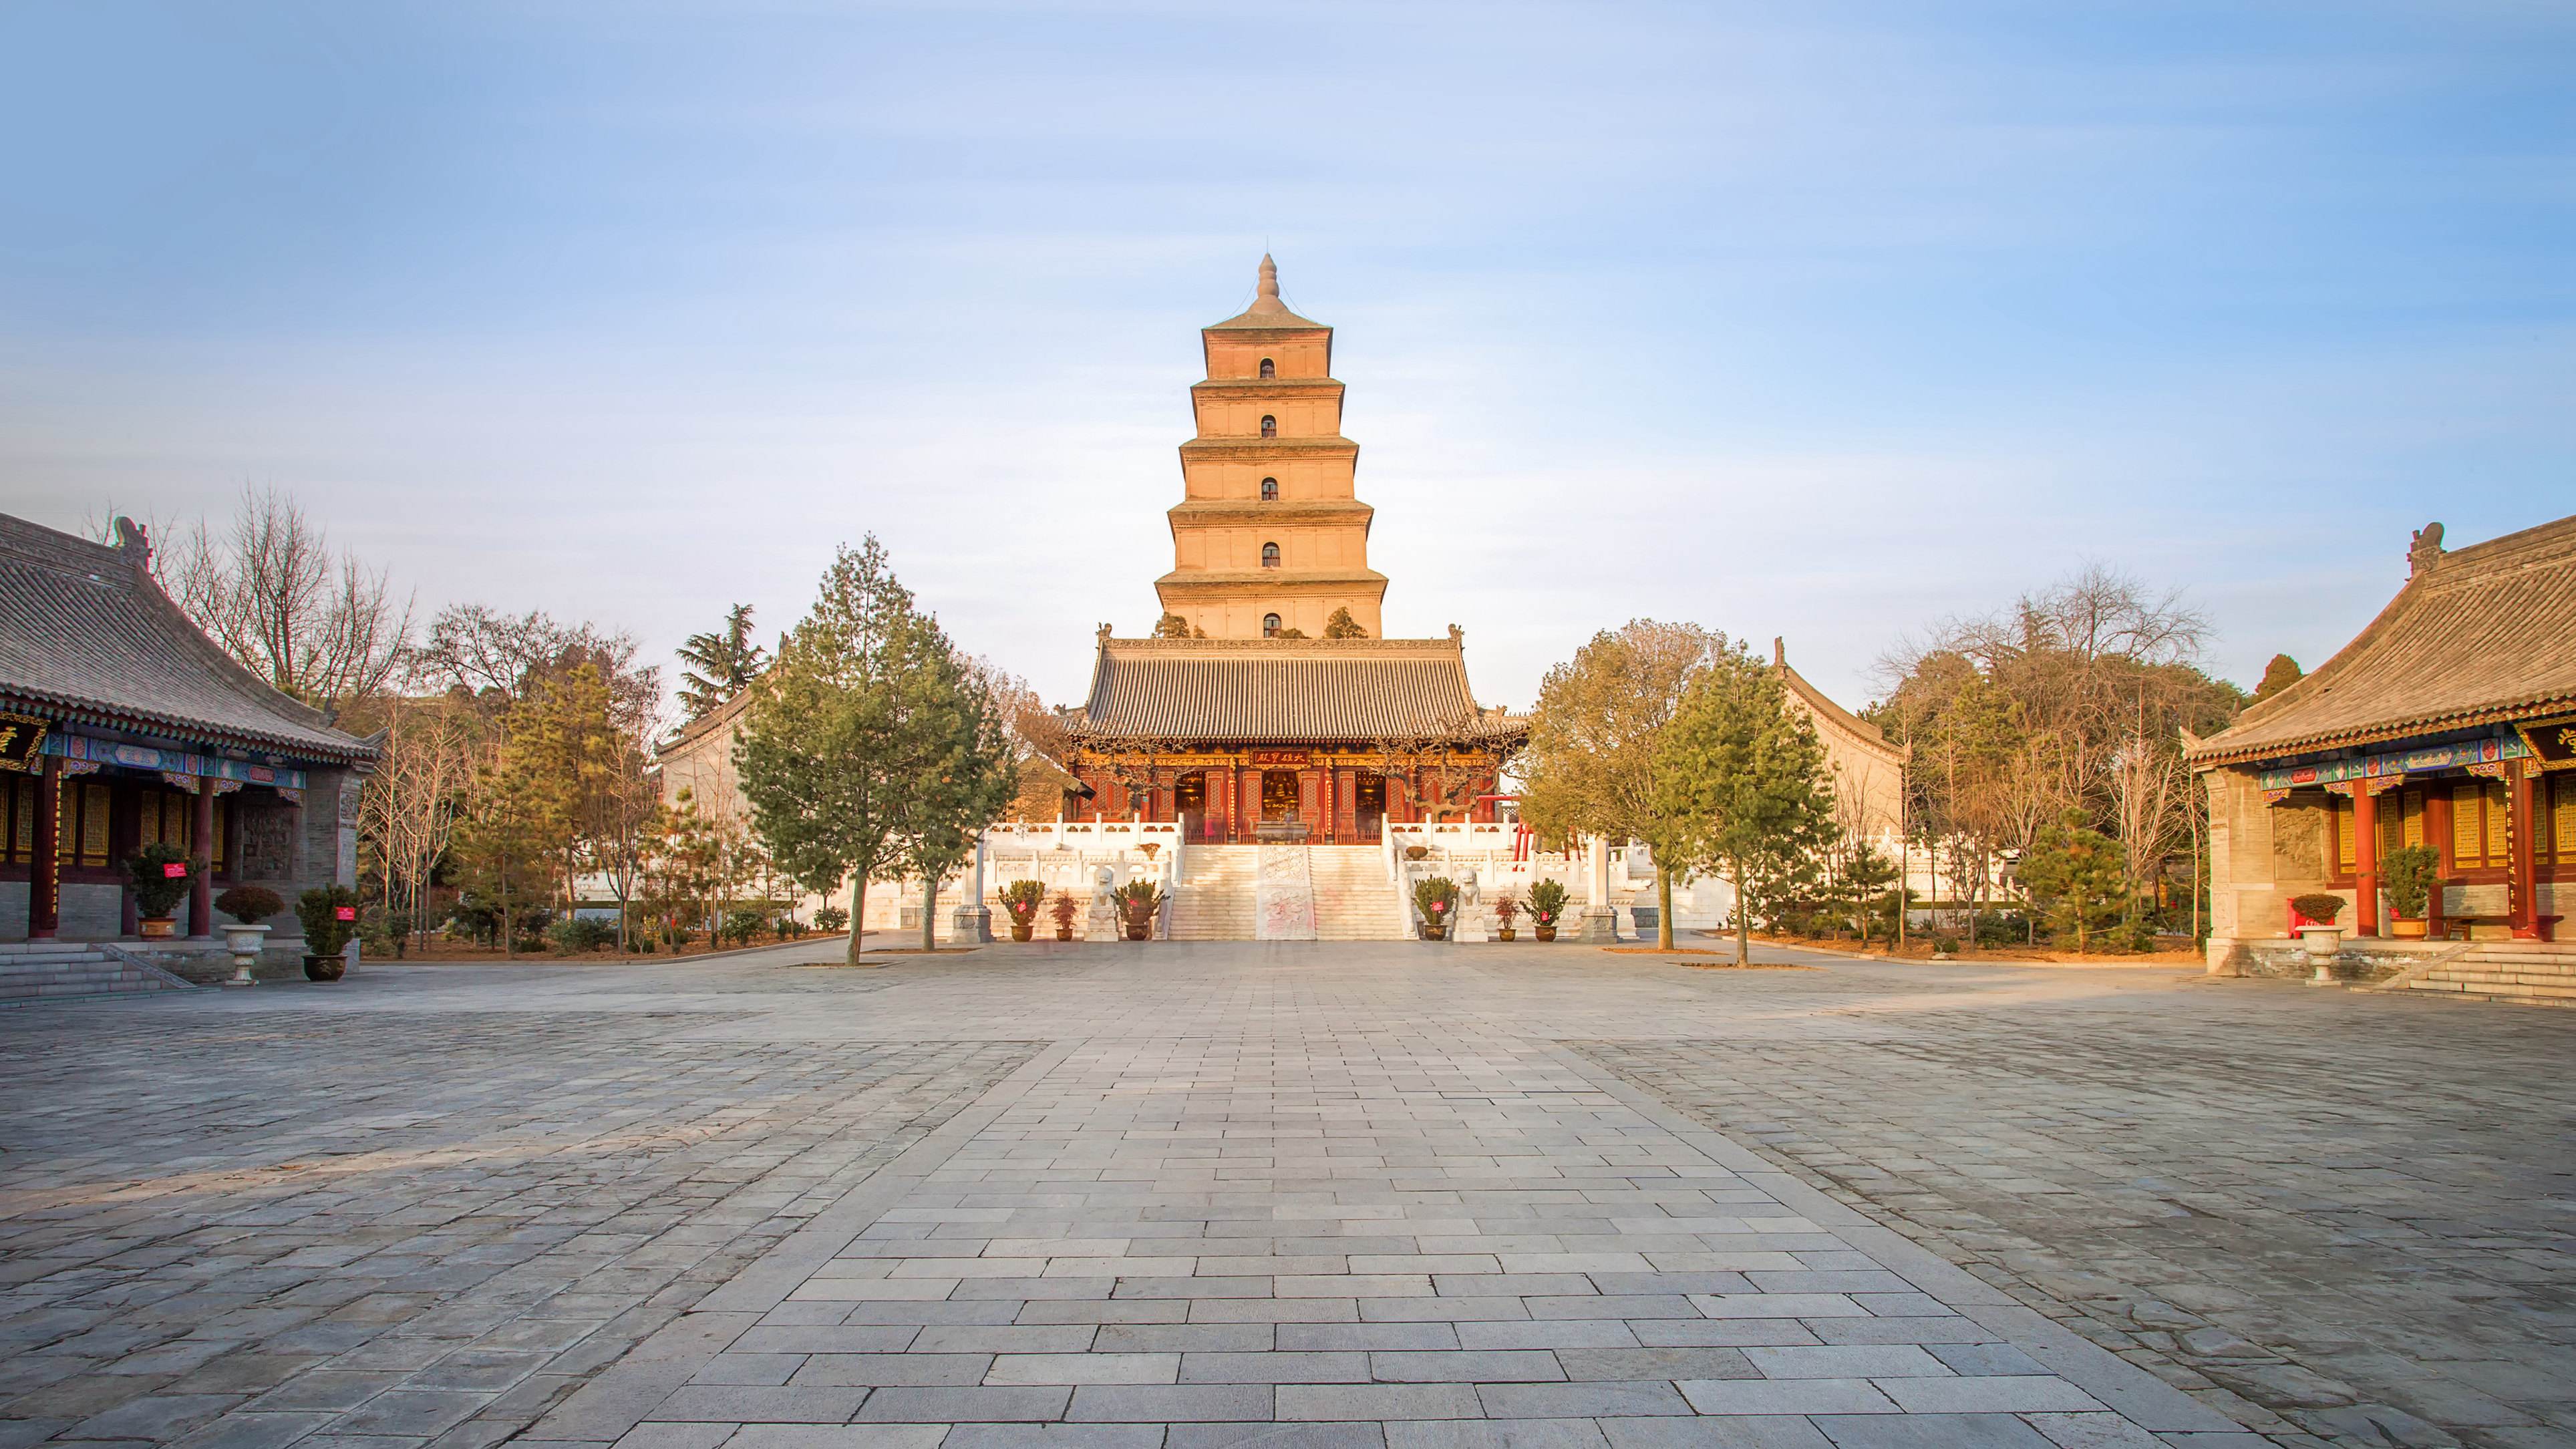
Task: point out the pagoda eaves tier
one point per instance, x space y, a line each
1270 536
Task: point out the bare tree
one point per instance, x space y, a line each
408 805
317 625
497 659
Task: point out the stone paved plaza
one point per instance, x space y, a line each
1376 1194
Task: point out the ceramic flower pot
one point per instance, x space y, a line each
1019 932
1432 931
160 928
1544 933
1064 933
1503 933
1416 852
325 968
2411 930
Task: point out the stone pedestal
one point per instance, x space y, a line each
971 923
1600 928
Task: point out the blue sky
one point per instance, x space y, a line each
1824 320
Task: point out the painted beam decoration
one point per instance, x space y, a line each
2491 751
82 749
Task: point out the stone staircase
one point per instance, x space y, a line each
2538 973
51 971
1353 901
1215 899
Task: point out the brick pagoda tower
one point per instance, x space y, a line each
1270 534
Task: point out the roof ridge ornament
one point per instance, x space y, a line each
2424 551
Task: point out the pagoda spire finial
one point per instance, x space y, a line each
1269 288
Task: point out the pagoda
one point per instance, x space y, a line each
1266 706
1269 538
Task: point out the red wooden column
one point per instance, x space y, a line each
1346 804
201 861
45 865
1247 788
2522 880
2365 858
2437 832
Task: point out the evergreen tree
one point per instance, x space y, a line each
1342 626
966 787
1740 785
2075 875
2278 675
721 664
840 756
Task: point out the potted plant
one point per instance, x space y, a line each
2317 911
248 906
1506 910
1021 898
2411 883
1138 900
330 917
1546 908
1437 899
1064 908
159 876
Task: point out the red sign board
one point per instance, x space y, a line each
345 913
174 870
1281 757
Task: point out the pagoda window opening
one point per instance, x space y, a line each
1268 370
1269 427
1270 555
1270 626
1269 490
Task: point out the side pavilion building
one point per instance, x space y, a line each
2450 721
121 725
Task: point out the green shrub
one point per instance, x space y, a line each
2318 906
1021 898
249 905
157 892
319 909
574 935
742 925
2410 875
832 920
1437 900
1547 902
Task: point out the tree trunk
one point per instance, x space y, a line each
1663 907
858 913
505 910
929 913
1743 917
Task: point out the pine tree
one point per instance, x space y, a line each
2075 875
722 664
1740 786
2278 675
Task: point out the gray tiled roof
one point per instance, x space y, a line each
1283 689
84 633
2477 637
